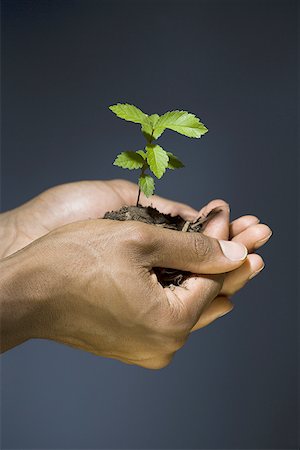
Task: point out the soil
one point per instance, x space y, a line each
150 215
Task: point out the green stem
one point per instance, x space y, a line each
144 168
139 194
151 137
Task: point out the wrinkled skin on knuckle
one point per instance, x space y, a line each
202 247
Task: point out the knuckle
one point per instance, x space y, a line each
201 246
139 235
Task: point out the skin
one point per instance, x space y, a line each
59 283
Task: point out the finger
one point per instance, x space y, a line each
241 224
254 237
234 281
194 295
218 226
193 252
198 290
220 306
253 234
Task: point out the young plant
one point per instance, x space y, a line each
153 157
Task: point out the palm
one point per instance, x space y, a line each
81 200
73 202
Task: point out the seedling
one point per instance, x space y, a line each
153 157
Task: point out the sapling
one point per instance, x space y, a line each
154 160
153 157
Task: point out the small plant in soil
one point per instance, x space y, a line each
156 160
153 157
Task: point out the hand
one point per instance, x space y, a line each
72 202
248 231
91 199
91 285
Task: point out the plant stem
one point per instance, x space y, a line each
151 137
139 194
138 199
143 169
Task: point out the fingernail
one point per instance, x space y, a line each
262 241
256 273
233 250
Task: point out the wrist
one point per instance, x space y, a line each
24 291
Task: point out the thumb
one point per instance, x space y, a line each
194 252
199 290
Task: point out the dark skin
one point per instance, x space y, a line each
75 202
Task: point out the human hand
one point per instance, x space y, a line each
248 231
73 202
91 199
91 285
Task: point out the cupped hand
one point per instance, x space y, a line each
248 231
72 202
82 200
91 284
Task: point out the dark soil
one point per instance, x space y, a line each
167 277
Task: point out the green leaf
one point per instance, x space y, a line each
181 121
142 153
158 131
130 113
153 119
149 131
129 160
146 184
157 159
174 162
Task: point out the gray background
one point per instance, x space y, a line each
234 383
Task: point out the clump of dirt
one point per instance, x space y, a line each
150 215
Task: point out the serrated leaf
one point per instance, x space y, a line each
130 113
147 131
146 184
183 122
153 119
150 132
158 131
174 162
142 153
157 159
129 160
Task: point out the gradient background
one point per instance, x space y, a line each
233 63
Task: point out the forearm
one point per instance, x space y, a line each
22 299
